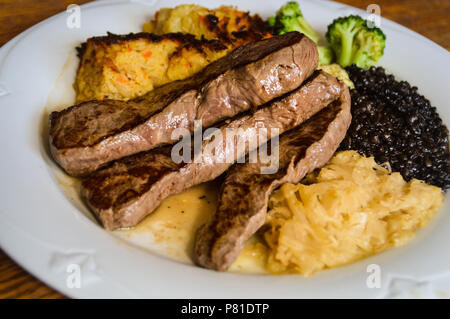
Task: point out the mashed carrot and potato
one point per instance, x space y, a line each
351 209
225 23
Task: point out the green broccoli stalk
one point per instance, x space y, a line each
353 42
326 55
290 18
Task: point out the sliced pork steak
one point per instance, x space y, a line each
86 136
124 193
245 192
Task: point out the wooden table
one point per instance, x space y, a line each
429 18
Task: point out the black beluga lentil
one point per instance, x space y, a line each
395 124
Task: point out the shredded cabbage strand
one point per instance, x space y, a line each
352 208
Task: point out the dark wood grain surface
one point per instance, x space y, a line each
429 18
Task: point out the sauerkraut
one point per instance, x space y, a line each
352 208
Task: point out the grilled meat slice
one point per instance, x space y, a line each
123 194
245 193
88 135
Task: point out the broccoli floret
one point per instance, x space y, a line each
290 18
326 55
353 42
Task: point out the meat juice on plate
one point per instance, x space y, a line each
171 228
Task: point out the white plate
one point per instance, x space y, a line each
45 232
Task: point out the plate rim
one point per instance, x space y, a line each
9 46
